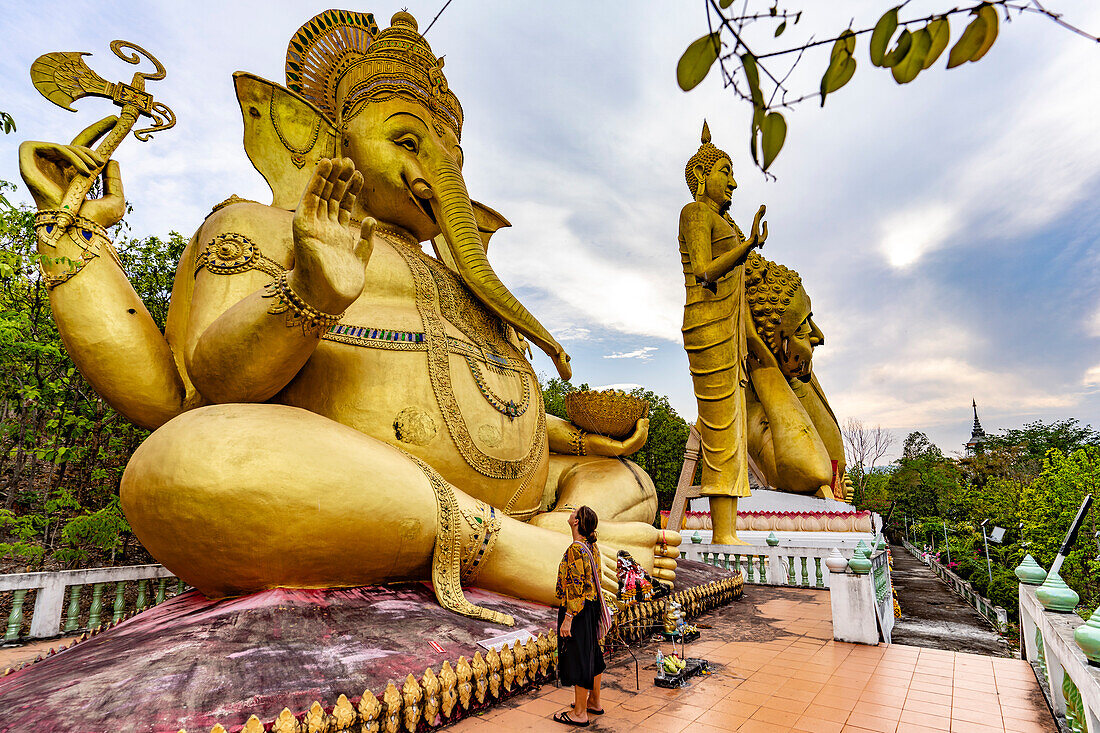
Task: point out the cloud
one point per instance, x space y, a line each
1093 324
596 286
572 333
900 206
1004 185
645 354
622 387
1092 376
910 233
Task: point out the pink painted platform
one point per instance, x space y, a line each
191 662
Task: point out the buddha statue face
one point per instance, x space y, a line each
718 184
782 315
404 161
798 336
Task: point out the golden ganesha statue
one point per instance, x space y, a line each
332 405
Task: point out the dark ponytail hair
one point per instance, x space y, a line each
586 524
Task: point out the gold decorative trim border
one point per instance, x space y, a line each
455 693
439 372
636 622
447 556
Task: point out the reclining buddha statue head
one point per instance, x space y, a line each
780 309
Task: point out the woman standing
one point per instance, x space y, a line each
582 620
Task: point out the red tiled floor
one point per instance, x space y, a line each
787 679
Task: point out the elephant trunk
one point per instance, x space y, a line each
456 218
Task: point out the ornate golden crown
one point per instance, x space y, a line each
707 155
339 45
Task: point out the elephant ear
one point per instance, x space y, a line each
488 222
284 135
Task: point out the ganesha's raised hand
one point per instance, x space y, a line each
49 168
330 256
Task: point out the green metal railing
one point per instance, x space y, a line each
62 604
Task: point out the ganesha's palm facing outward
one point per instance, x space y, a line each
329 255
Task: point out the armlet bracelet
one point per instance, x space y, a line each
298 312
577 442
51 218
85 233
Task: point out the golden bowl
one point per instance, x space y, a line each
610 412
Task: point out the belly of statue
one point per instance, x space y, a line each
399 371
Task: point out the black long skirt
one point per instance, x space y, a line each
580 658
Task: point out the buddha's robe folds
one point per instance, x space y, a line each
714 337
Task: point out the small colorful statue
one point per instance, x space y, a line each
635 584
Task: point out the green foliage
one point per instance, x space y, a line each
695 64
86 533
880 37
553 395
1051 502
20 533
924 481
1029 481
774 133
62 448
1035 439
663 454
842 66
920 42
7 122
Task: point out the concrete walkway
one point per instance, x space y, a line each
776 669
934 617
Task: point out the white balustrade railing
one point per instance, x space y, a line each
884 593
870 597
1071 684
802 567
49 591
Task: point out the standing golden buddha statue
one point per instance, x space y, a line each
713 251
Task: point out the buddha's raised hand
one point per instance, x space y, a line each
759 233
49 168
330 256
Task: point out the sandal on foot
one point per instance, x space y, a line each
564 717
596 711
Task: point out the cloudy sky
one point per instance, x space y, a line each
946 231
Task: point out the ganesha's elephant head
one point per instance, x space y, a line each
388 108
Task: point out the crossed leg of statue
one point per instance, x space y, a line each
243 497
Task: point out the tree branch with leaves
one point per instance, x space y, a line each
906 47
